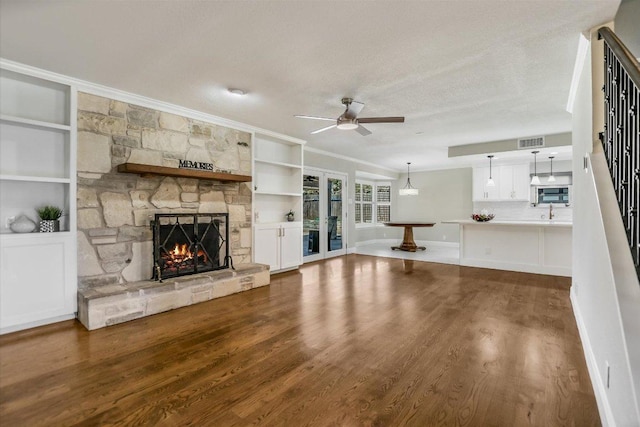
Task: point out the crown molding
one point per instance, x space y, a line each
143 101
351 159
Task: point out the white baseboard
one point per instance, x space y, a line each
606 414
513 266
34 324
437 243
392 242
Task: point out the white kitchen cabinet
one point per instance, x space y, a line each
279 245
481 191
511 183
37 167
514 182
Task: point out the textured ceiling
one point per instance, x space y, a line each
460 71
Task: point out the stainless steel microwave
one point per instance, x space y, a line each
552 194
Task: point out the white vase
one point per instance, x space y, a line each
22 224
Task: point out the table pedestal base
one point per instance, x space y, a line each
408 244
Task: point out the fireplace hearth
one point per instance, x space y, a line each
186 244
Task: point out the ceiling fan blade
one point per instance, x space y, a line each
323 129
353 109
381 120
314 118
363 130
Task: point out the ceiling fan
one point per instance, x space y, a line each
349 119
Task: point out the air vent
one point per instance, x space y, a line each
526 143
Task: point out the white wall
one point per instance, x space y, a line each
594 295
627 25
444 195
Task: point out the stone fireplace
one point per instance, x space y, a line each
115 210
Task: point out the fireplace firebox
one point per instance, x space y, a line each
190 243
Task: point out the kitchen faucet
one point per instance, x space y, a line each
551 212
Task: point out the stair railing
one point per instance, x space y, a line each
621 136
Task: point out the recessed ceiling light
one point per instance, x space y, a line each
553 153
419 133
237 92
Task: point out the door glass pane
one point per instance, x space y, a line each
334 214
311 215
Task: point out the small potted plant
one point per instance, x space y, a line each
49 218
290 216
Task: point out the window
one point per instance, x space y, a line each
373 203
383 202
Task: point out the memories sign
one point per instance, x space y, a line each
188 164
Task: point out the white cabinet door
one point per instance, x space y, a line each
267 246
514 182
36 282
480 176
481 192
521 182
291 246
278 245
506 183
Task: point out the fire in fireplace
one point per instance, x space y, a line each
190 243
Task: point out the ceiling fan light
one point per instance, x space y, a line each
347 124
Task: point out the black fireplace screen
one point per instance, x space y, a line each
190 243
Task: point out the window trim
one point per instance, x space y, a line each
374 203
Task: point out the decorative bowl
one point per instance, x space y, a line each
482 217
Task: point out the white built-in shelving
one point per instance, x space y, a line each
277 189
37 167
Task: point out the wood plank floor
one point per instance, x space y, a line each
351 341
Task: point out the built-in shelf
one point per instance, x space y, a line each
287 165
37 168
143 170
277 193
27 178
37 123
277 185
57 234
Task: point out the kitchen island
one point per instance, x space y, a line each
542 247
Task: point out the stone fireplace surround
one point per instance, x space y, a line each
114 210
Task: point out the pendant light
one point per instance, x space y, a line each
408 189
551 177
535 180
490 182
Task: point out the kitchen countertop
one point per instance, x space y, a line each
531 223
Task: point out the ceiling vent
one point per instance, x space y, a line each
527 143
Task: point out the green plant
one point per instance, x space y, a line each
290 213
49 212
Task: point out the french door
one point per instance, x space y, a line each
324 214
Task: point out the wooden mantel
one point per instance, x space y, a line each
143 170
